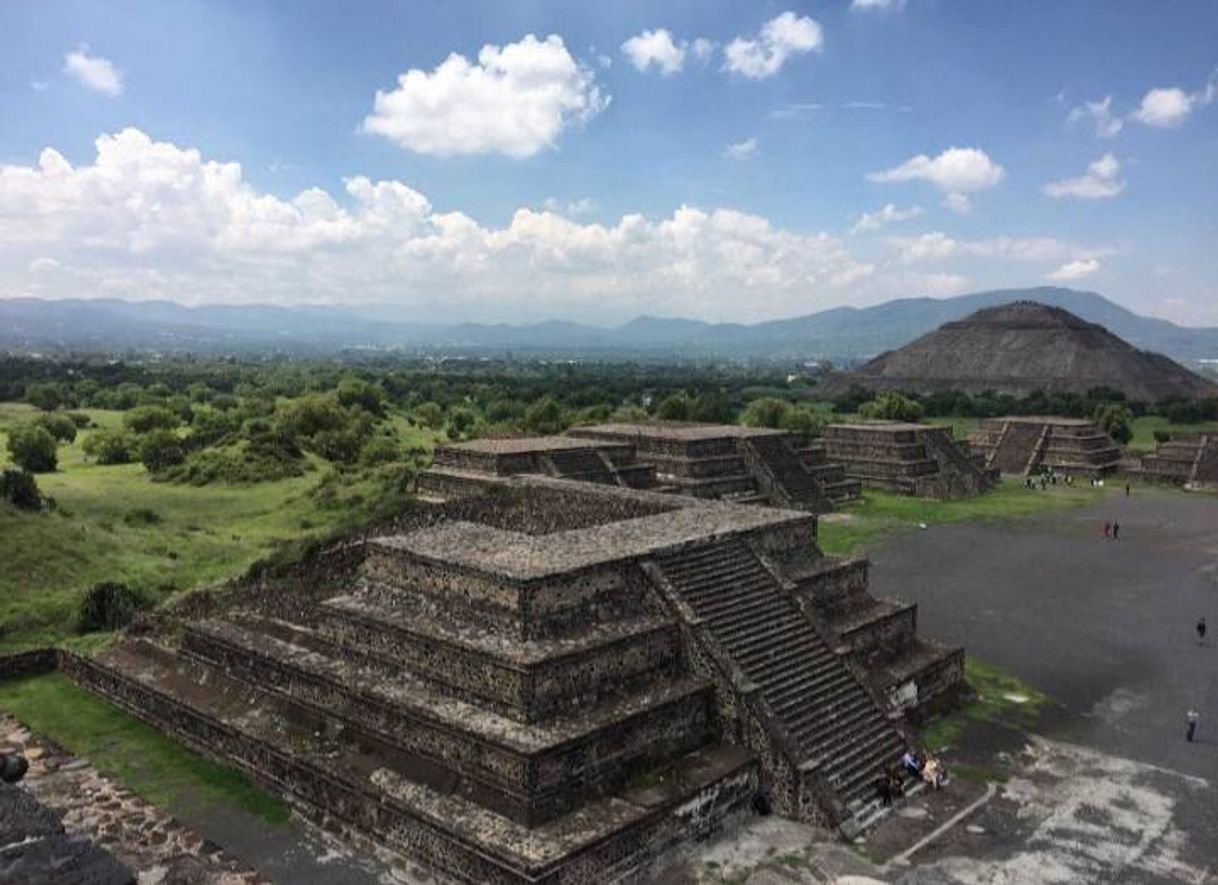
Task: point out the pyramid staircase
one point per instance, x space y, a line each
585 465
833 724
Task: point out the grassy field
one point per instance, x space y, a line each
880 514
130 752
1144 430
115 523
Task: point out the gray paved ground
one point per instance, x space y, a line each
1104 627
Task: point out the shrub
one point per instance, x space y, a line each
47 397
62 427
803 420
1162 436
161 449
380 450
143 419
675 407
141 516
714 408
769 411
462 422
20 489
80 419
32 448
892 406
1115 420
108 606
545 417
110 445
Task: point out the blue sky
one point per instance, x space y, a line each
736 161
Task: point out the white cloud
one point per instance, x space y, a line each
1099 113
582 206
741 150
147 219
1169 107
959 203
93 71
39 85
516 101
655 48
1074 270
880 5
780 38
956 170
938 246
887 214
703 48
1102 180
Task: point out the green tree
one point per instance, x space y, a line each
429 414
108 606
892 406
110 445
713 407
369 397
60 426
19 489
800 419
675 407
160 449
143 419
545 416
32 448
47 397
768 411
380 450
462 421
1115 420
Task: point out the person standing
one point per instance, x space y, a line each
1116 531
1192 719
1107 529
1201 631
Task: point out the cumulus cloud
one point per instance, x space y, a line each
703 48
956 171
655 48
876 5
938 246
741 150
1099 114
1102 180
149 219
93 71
781 37
1074 270
1169 107
516 100
887 214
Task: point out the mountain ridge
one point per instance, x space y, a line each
841 333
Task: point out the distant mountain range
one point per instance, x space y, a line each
846 334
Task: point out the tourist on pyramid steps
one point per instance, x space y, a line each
1192 718
933 773
911 763
1116 531
1201 632
1107 529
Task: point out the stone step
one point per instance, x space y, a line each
727 611
431 825
830 694
774 667
798 690
527 771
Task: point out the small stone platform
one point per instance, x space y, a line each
1023 445
551 681
910 459
1189 460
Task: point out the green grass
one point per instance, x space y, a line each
881 514
130 752
1144 430
114 523
999 699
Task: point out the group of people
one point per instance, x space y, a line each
927 768
1046 478
1112 530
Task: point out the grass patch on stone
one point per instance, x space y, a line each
880 514
998 698
136 755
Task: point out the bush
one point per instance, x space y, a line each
1115 420
713 408
1162 436
32 448
80 419
769 411
108 606
803 420
62 427
143 419
20 489
47 397
676 407
545 417
161 449
380 450
141 516
110 445
892 406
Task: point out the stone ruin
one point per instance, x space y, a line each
1022 446
909 459
1189 460
745 465
547 680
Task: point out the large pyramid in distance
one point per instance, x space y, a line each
1019 348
